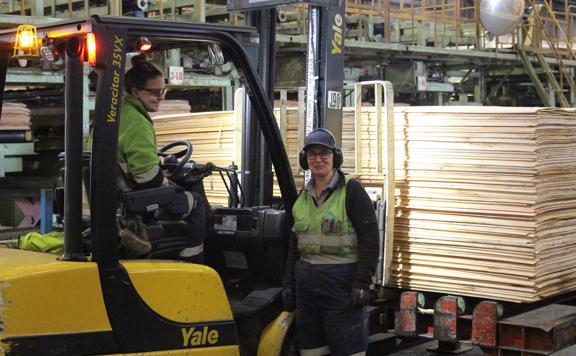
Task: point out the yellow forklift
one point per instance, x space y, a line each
100 303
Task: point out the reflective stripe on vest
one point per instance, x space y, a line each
325 234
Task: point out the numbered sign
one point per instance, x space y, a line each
176 75
334 100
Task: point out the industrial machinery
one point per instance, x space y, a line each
99 304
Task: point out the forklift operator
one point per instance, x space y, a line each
137 155
332 255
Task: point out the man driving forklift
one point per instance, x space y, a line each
145 88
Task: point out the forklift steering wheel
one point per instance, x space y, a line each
173 162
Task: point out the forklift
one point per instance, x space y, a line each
99 303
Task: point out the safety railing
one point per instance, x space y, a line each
544 33
384 99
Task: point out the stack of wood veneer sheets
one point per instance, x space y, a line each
15 123
486 201
171 107
486 196
214 137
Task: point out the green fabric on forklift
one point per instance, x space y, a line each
52 242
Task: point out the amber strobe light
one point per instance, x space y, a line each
91 43
26 42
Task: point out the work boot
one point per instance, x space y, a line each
134 243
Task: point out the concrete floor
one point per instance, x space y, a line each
422 350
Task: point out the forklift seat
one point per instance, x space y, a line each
145 200
168 237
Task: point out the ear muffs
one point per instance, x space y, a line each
338 159
303 160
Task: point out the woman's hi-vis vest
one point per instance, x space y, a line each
325 234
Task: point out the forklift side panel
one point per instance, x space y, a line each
196 293
46 304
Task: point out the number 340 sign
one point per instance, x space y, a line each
176 75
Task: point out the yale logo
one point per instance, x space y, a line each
193 337
337 38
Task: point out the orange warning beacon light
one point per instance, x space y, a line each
26 44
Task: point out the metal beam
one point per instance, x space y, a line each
33 77
351 45
15 20
204 81
496 88
38 8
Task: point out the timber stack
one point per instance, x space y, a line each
485 197
15 123
486 201
214 137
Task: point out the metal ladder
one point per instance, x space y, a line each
561 81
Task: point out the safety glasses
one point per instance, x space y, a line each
159 93
324 154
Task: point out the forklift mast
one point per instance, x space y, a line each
257 167
324 80
325 68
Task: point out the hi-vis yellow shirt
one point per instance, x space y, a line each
136 142
325 234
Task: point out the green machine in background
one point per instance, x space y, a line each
11 156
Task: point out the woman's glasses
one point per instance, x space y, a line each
159 93
324 154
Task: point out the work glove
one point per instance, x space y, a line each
289 299
360 297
